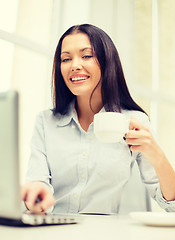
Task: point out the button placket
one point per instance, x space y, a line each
82 173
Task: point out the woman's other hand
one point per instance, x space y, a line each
37 197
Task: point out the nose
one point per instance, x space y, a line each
76 65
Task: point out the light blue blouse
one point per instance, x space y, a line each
86 175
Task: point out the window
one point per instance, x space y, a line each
155 67
166 34
26 45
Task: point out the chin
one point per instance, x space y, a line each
82 92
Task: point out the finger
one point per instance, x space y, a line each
136 125
24 190
138 134
136 148
136 141
48 200
33 195
37 208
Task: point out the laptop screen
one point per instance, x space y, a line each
9 161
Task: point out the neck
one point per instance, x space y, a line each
86 112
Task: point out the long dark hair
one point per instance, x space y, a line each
115 93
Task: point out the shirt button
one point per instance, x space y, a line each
84 154
82 175
90 137
73 126
75 195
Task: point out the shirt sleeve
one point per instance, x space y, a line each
38 166
151 182
149 176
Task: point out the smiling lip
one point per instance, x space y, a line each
79 78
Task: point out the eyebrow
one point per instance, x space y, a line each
81 50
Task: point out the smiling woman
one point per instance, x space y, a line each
85 174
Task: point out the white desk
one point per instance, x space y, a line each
91 228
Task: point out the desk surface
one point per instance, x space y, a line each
92 228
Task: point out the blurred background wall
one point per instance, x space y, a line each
143 31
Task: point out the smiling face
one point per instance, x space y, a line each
79 66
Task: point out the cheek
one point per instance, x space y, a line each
98 73
96 69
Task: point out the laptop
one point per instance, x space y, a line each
11 212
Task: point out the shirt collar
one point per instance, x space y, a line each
63 120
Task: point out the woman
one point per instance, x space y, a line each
69 168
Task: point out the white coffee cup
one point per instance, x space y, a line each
110 127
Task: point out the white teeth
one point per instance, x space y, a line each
79 78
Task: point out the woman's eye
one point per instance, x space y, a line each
87 56
65 60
